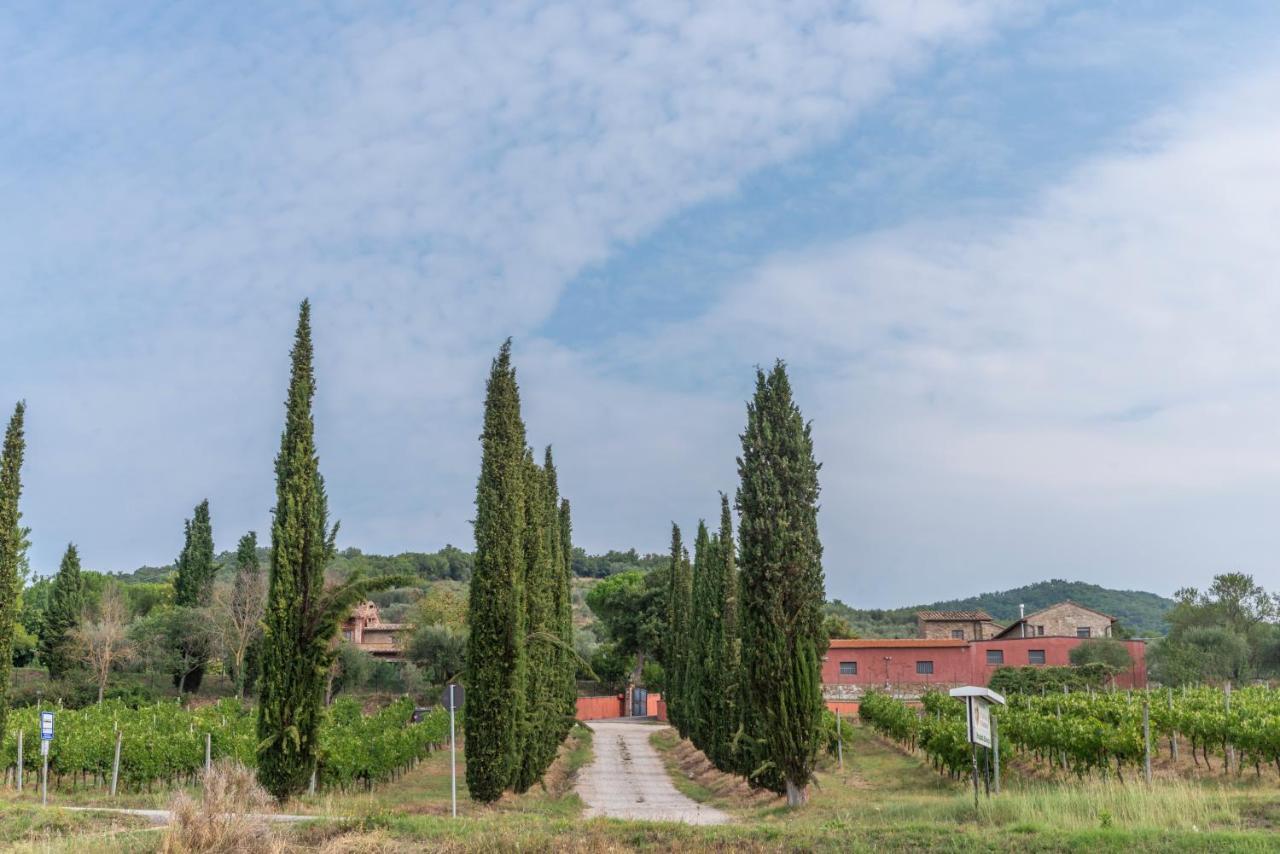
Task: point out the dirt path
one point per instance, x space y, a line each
628 780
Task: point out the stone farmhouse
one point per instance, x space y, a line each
365 629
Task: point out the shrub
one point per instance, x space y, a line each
227 818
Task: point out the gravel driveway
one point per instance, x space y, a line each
628 780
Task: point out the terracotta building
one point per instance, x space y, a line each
366 630
955 625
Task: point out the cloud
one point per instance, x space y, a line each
174 181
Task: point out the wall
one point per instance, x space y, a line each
1064 618
595 708
942 629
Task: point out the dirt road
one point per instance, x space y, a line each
627 779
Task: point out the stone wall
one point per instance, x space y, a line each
1064 619
942 629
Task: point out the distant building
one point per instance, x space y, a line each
955 625
1063 620
365 629
907 667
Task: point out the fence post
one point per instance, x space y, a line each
840 738
1231 753
995 748
115 764
208 752
19 759
1146 740
1173 731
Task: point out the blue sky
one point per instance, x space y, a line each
1019 256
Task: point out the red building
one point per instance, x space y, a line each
909 666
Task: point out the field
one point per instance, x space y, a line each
887 798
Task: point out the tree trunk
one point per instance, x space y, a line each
102 686
797 796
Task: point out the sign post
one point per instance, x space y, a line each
46 736
452 700
978 724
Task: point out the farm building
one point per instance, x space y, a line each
955 625
909 666
365 629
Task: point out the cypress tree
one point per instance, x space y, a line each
12 546
723 710
302 616
782 590
698 649
193 585
495 645
246 587
561 717
542 711
62 616
569 670
679 605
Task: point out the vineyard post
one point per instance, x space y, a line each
1231 753
1146 740
1173 731
840 739
208 752
995 747
19 759
115 764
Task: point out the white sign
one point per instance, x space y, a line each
46 726
980 721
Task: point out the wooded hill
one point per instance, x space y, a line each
1139 612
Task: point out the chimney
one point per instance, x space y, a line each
1022 617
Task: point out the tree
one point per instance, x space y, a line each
697 665
57 647
564 688
12 547
722 696
1112 653
541 725
172 639
782 590
631 608
302 615
193 584
676 647
495 646
442 605
239 608
835 626
439 651
568 675
103 642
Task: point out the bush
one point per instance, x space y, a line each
1106 651
225 819
1034 680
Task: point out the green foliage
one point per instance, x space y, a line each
444 604
1039 679
675 653
66 605
13 546
353 667
569 661
193 588
631 608
495 647
612 562
704 621
302 616
611 666
439 651
1108 651
835 626
174 640
782 589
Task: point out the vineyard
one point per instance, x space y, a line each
164 744
1096 732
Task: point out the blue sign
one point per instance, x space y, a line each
46 726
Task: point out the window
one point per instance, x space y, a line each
346 634
1040 631
924 667
848 668
958 634
995 656
1035 656
1083 632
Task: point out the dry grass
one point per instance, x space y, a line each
226 819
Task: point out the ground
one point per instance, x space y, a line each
883 800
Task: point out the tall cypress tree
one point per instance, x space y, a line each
495 645
676 647
782 589
62 616
723 708
564 666
696 664
193 586
302 616
12 546
541 711
569 669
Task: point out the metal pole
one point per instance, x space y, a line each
44 778
453 757
1146 740
115 765
995 748
974 753
19 759
840 739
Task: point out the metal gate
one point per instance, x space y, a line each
639 702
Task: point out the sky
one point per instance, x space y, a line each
1020 259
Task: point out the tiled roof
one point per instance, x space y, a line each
962 616
877 643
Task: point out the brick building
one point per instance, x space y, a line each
365 629
1065 619
955 625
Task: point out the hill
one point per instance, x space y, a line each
1139 612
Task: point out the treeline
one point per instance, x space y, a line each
520 664
1229 632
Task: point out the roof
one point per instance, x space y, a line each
891 643
954 616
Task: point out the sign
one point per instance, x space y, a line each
452 697
46 726
979 721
